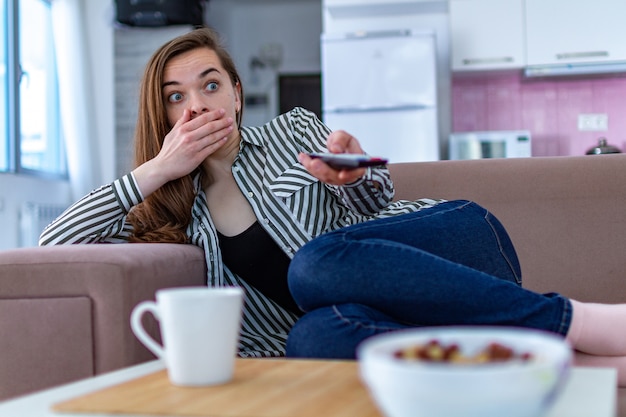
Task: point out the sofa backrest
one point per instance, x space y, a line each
566 215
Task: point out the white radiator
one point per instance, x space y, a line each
34 217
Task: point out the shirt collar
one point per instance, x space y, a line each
251 135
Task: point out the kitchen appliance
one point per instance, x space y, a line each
490 144
603 147
381 87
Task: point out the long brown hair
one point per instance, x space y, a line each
164 215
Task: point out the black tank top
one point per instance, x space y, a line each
255 257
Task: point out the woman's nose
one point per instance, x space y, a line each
197 106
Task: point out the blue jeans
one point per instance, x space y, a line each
452 264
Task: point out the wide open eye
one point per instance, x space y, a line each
175 97
212 86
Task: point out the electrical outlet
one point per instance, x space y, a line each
597 122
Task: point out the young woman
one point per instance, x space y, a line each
262 210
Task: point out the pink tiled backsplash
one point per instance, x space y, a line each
548 108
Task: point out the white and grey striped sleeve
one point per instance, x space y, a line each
99 217
370 194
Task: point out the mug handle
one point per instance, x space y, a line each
140 332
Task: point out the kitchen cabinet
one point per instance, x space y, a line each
487 34
566 31
366 9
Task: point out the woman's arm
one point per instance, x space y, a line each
364 191
99 217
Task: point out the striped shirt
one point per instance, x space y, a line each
292 206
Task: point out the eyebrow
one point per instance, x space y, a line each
200 76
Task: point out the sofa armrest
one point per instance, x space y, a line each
64 310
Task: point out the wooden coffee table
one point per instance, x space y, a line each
265 388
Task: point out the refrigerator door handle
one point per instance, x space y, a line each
372 34
370 109
379 34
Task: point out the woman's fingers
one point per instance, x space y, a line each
192 140
341 141
325 173
338 141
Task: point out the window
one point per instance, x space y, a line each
30 115
4 94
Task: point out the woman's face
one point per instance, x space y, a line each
196 80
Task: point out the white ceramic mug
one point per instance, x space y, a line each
200 329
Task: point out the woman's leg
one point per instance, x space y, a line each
338 329
450 264
334 332
597 329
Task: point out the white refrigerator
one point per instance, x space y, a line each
381 87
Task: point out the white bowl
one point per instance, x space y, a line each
403 388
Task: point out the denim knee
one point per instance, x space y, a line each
334 332
311 337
